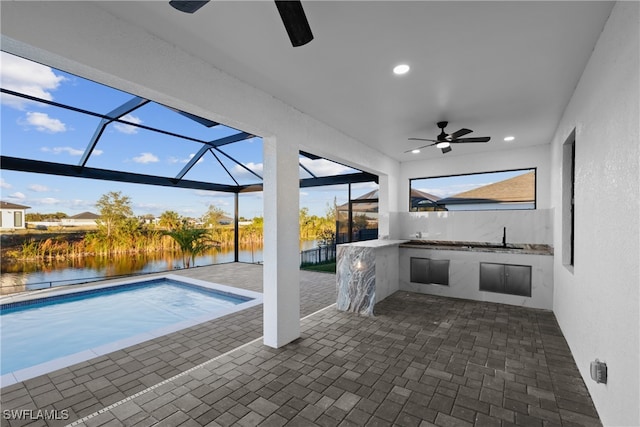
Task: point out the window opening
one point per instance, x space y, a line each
498 190
568 200
357 219
17 219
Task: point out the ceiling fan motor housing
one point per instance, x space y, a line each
443 136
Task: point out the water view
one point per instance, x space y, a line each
18 276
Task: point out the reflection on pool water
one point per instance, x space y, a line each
99 319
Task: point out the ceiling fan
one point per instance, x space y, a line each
444 140
291 13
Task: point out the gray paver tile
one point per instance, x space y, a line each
423 360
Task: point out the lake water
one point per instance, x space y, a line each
20 276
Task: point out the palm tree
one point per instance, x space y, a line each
192 242
169 220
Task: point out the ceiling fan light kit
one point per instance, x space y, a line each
291 13
444 140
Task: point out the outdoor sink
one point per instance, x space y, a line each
493 246
530 248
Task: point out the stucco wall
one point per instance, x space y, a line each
597 302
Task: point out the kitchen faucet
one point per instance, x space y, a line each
504 237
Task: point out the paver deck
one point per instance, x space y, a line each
421 361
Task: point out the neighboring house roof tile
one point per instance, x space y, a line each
7 205
517 189
85 215
417 194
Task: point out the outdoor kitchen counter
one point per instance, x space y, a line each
512 248
366 273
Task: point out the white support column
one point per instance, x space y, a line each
281 281
387 203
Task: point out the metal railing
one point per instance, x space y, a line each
319 255
34 286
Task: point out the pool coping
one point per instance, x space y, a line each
256 298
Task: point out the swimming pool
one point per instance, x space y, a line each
51 331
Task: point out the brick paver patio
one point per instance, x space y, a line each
423 360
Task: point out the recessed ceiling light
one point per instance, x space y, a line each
401 69
509 138
416 151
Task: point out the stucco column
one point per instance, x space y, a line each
281 282
387 204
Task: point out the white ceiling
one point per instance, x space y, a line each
499 68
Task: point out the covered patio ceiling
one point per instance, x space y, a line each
208 155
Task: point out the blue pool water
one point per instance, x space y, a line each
39 331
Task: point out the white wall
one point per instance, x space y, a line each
597 302
523 226
8 219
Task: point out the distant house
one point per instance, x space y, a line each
13 215
364 211
84 219
514 193
422 201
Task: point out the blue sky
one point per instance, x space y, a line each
43 132
449 185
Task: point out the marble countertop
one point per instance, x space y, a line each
378 243
511 248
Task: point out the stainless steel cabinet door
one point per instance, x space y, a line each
518 280
492 277
419 270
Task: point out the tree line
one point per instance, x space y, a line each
119 231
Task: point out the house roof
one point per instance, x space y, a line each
85 215
7 205
520 189
363 206
417 194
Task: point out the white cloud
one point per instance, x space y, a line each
17 195
5 184
44 123
256 167
69 150
49 201
26 77
38 188
324 167
146 158
128 129
79 203
175 160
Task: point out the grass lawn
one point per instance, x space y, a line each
329 267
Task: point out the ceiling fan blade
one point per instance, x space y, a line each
188 6
445 150
295 22
461 132
422 139
478 139
421 147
